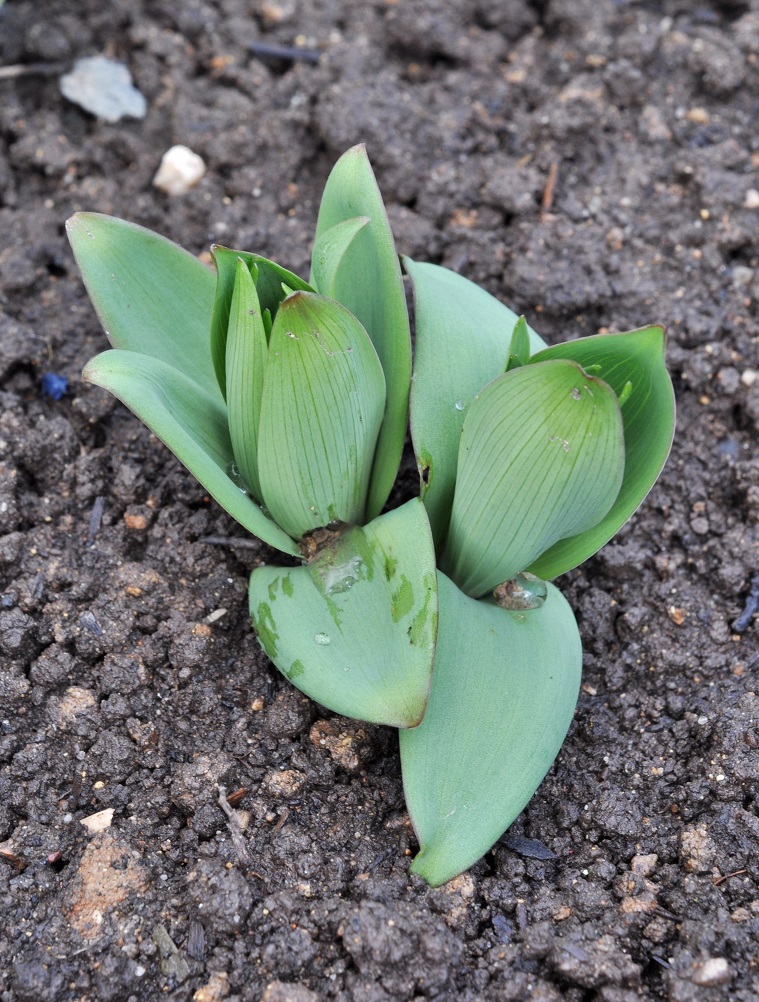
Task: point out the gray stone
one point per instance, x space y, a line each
104 88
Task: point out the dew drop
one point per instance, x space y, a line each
322 639
234 475
342 577
575 393
460 405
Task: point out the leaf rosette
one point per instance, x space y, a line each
292 414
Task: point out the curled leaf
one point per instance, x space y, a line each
541 458
245 367
321 410
367 281
268 278
463 339
329 250
633 365
519 349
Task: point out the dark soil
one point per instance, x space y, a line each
131 679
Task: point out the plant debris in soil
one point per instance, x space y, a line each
595 165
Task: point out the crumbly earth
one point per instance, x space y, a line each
131 680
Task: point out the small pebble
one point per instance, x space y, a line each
98 822
54 386
742 275
104 88
714 971
180 170
644 865
287 783
697 850
135 522
751 201
652 124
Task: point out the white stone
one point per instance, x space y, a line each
714 971
98 822
180 170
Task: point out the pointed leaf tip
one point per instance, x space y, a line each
150 295
367 281
267 276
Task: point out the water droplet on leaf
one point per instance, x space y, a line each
342 577
322 639
234 475
460 405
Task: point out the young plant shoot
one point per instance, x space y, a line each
289 401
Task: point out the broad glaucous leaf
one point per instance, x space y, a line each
541 458
504 688
268 277
329 250
321 410
247 350
192 422
355 628
150 295
463 338
633 365
367 281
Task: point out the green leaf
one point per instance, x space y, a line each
519 349
149 294
463 338
541 458
191 422
367 281
329 250
268 277
247 350
355 629
321 410
504 688
633 365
